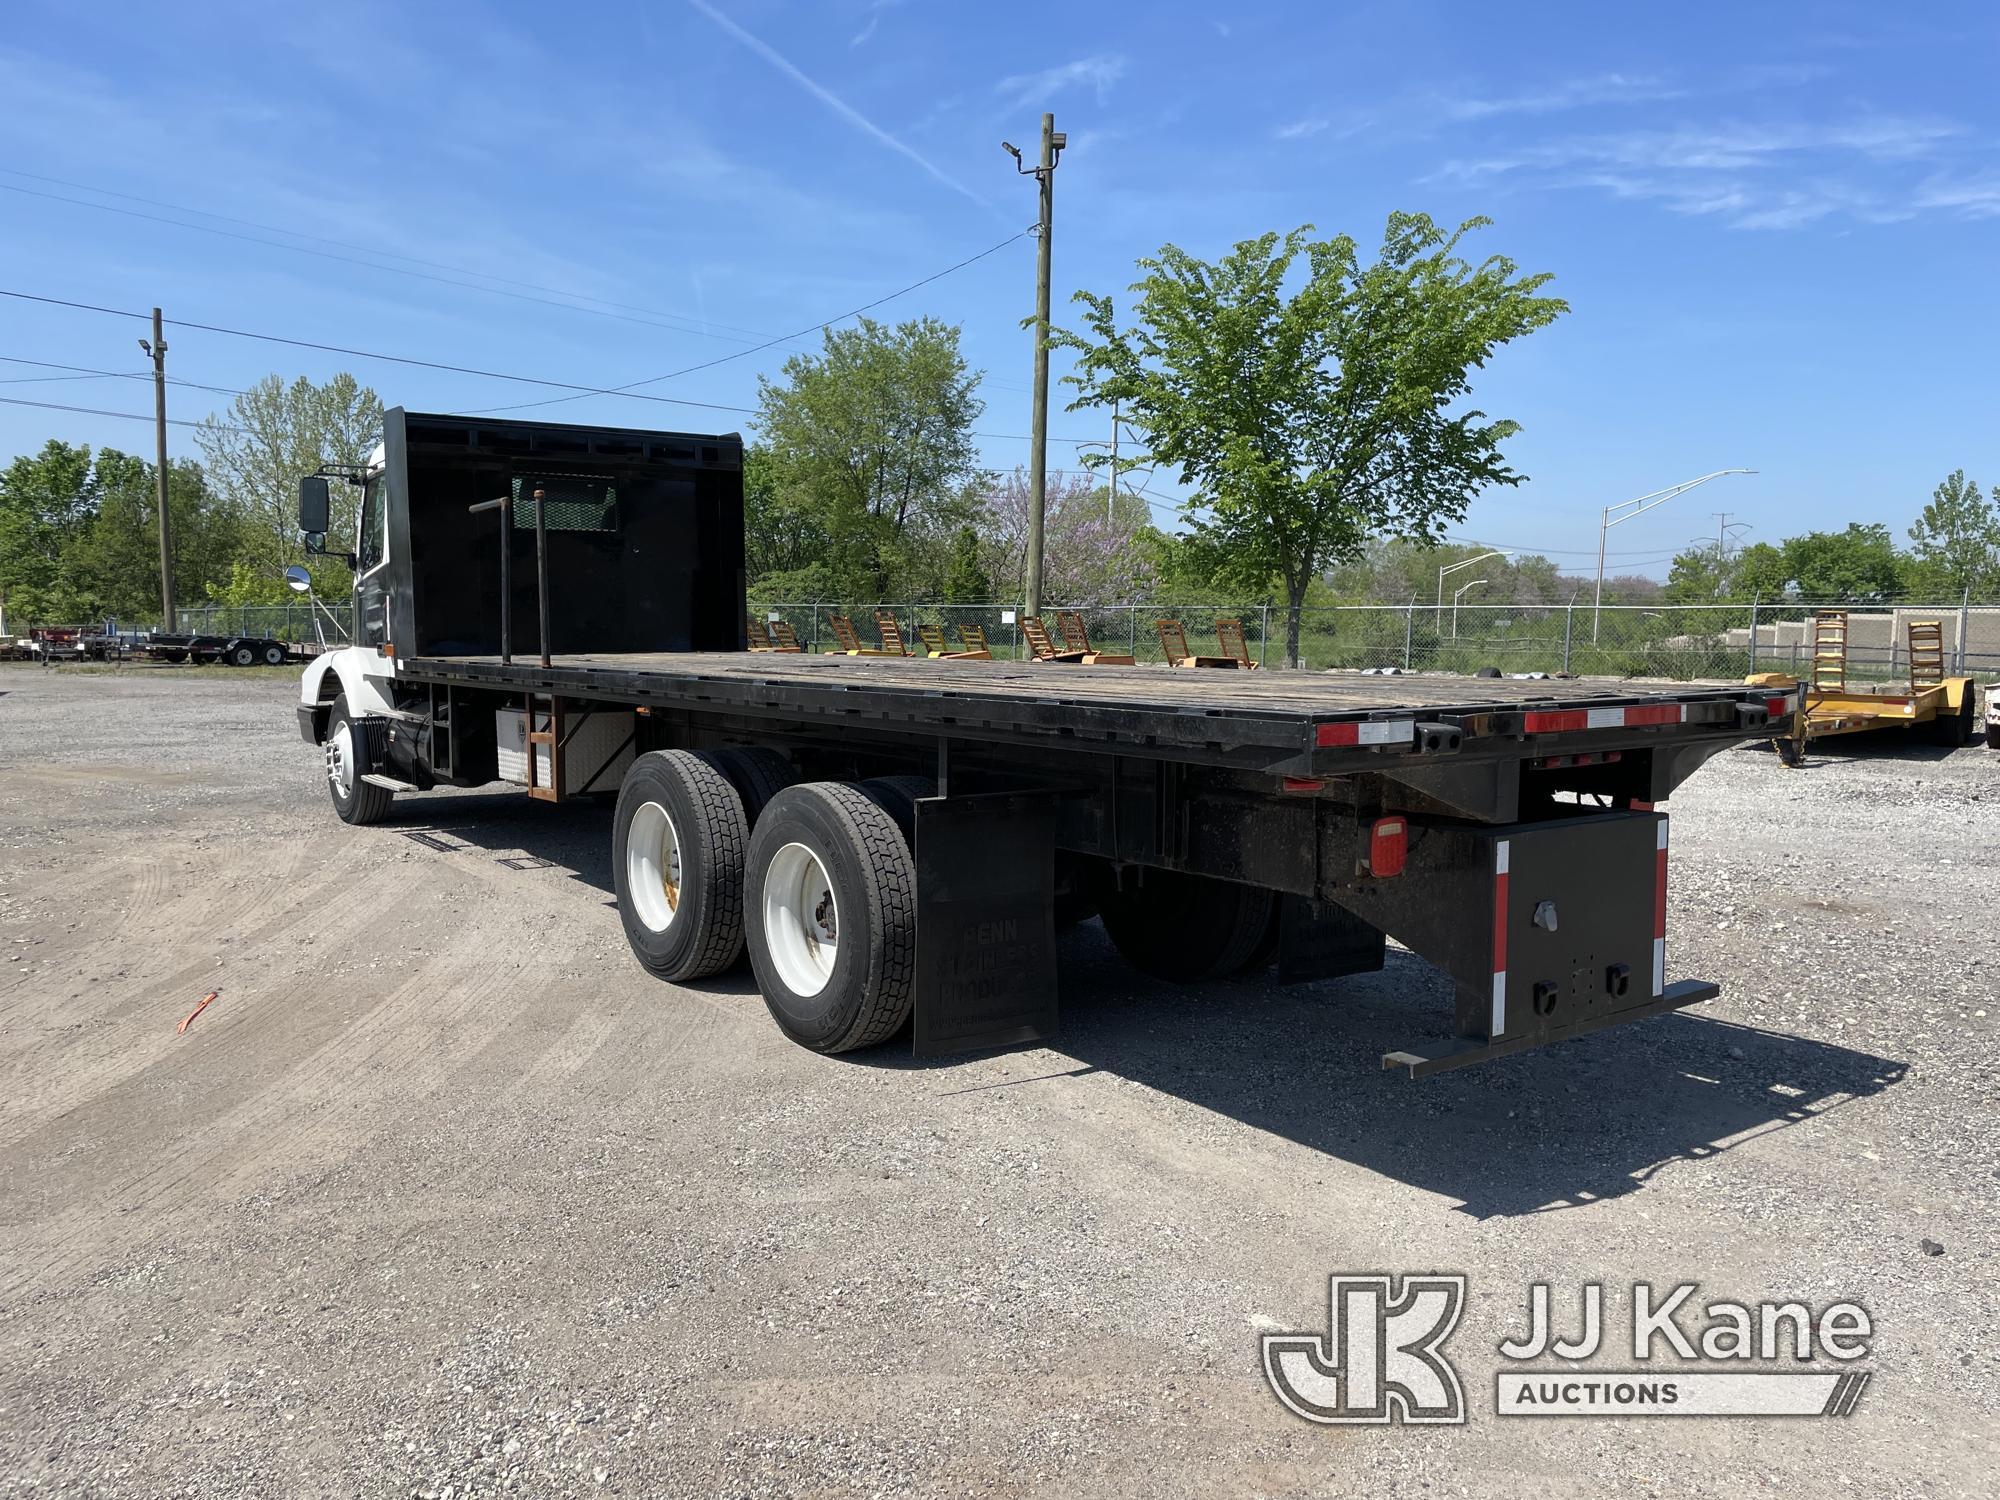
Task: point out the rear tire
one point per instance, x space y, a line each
274 654
832 917
677 843
1993 736
241 655
349 746
1189 928
757 772
1959 727
897 796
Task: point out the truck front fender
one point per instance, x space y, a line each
360 673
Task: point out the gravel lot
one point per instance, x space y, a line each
444 1196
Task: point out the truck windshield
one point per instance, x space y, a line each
373 543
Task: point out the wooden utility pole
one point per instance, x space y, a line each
1038 433
156 350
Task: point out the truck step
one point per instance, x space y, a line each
389 783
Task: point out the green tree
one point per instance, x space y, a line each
871 450
270 436
965 581
783 539
1860 564
47 503
1956 540
1303 422
120 553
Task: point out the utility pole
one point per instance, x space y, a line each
1044 174
156 350
1111 500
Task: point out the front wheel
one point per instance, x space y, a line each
831 902
348 760
677 860
241 655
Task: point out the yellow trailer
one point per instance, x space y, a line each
1945 709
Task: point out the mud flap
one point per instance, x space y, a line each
1318 940
986 941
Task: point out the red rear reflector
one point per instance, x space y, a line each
1777 708
1554 721
1388 847
1303 783
1653 713
1339 734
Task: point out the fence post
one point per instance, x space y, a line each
1409 633
1569 630
1755 600
815 629
1132 631
1964 620
1264 638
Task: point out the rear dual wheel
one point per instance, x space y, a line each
677 851
831 916
1189 929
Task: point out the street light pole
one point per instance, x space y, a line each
1637 507
156 351
1453 568
1457 595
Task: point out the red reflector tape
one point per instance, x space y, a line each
1551 721
1370 732
1566 720
1654 713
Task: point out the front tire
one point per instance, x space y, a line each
677 849
348 759
832 917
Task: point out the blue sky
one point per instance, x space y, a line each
1776 224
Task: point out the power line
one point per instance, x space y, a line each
88 373
95 411
429 364
782 338
625 312
622 316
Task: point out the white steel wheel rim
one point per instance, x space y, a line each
340 760
653 867
801 920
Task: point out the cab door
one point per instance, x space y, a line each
371 566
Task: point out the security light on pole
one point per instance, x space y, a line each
1454 567
1458 594
1637 507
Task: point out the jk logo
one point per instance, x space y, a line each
1380 1359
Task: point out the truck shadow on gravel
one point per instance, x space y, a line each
1563 1127
1558 1128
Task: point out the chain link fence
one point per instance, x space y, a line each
1680 642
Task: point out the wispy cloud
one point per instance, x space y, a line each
1761 175
1299 130
1575 93
834 102
1969 197
1029 90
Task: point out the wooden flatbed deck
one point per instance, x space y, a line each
1265 719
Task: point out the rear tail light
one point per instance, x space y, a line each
1388 846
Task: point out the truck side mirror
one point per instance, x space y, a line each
315 505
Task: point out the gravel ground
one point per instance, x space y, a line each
444 1196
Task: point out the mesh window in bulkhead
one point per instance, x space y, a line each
571 502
